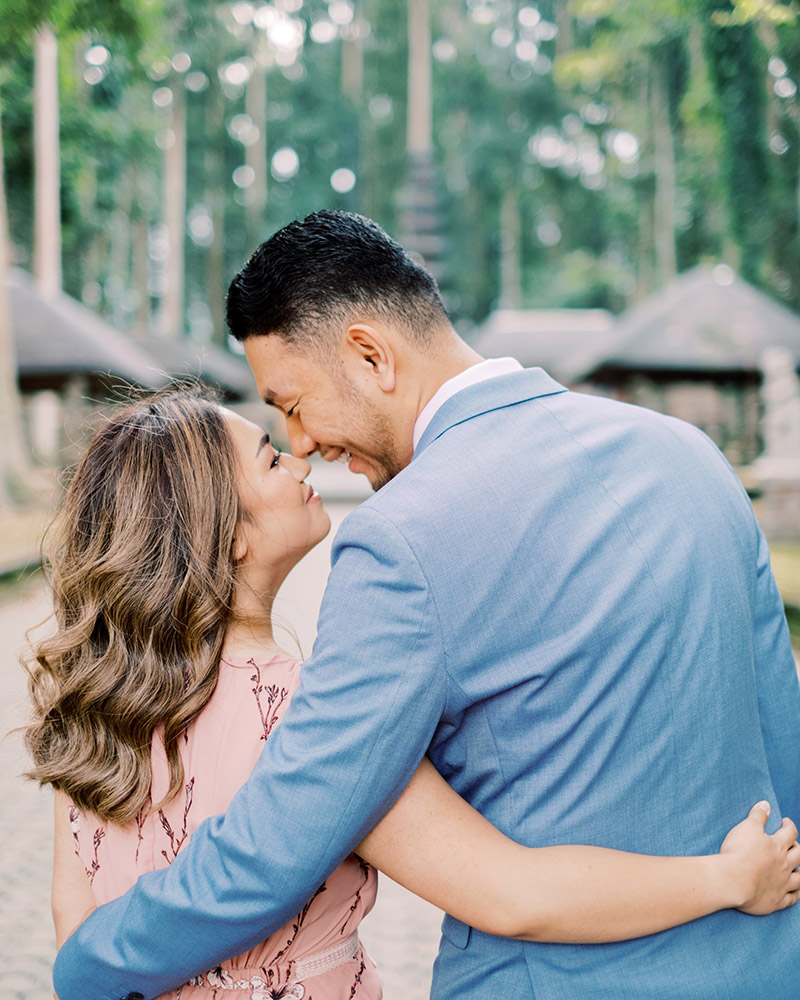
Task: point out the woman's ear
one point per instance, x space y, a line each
372 353
240 546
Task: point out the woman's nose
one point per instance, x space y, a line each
299 467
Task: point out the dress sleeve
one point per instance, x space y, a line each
368 703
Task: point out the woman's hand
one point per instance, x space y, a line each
765 863
439 847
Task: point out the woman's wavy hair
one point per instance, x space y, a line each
142 571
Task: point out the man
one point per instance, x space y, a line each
564 600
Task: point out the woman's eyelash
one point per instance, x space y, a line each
275 459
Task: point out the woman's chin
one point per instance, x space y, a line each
320 530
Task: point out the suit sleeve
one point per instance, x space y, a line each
366 709
778 688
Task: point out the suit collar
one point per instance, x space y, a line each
492 394
480 372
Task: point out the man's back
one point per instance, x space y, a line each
568 601
618 667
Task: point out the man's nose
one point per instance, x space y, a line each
302 443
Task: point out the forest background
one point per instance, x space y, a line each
580 152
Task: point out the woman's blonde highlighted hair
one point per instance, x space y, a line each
142 572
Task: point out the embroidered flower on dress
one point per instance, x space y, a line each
220 977
296 992
74 820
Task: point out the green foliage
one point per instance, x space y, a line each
566 132
748 11
117 18
590 68
18 150
734 64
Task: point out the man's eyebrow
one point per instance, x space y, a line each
262 443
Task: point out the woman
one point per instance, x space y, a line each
163 680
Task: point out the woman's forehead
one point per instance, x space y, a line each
238 423
248 437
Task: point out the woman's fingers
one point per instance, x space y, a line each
787 832
760 812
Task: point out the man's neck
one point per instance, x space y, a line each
457 359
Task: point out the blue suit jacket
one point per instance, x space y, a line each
568 600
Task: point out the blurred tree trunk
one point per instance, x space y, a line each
353 58
419 218
175 212
419 126
663 168
510 237
13 463
121 240
47 171
735 69
369 178
256 152
783 258
702 136
645 276
215 198
141 316
564 38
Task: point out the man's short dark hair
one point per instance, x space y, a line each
313 277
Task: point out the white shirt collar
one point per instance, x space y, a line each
471 376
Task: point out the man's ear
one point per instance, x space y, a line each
372 354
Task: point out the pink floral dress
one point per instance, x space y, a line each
317 955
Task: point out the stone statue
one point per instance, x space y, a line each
780 393
777 470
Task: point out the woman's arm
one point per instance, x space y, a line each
72 898
440 848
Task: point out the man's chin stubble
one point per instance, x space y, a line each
382 476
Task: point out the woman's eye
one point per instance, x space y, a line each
275 459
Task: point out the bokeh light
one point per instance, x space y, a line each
285 164
343 180
243 176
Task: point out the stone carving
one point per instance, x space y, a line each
777 470
780 393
